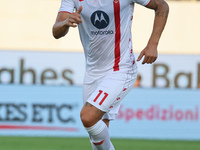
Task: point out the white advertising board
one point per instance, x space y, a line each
54 111
64 68
47 68
177 71
40 111
159 114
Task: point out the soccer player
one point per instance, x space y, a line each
111 70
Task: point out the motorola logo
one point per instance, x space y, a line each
100 19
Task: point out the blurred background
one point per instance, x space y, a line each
41 78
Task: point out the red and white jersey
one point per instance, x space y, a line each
105 32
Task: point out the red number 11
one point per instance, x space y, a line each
103 99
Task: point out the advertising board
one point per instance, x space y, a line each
64 68
55 111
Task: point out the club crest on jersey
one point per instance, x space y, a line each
100 19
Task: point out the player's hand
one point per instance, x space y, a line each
150 54
74 18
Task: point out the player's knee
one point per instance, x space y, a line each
90 116
86 120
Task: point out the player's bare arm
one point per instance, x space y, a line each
161 13
64 21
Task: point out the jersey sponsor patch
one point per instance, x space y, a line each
100 19
102 32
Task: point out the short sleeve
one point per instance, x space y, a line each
141 2
67 6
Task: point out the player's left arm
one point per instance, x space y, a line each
161 13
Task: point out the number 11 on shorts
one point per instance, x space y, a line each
103 99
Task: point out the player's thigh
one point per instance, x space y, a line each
91 82
114 108
112 87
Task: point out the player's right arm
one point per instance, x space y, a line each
64 21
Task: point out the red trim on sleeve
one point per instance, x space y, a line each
117 34
149 2
64 12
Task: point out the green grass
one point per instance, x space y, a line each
50 143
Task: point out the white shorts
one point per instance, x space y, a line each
107 91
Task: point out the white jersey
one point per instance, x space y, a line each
105 32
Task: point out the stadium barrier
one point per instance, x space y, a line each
38 110
64 68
